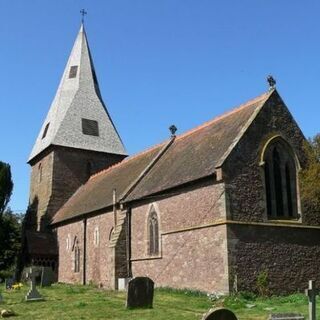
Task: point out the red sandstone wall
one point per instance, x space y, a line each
100 257
191 258
65 271
40 189
70 172
64 170
195 259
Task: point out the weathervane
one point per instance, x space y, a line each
272 82
83 13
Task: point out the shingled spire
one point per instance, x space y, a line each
78 117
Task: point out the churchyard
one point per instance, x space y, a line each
62 301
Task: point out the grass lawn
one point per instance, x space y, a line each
86 302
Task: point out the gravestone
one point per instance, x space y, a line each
9 282
140 293
219 314
33 294
47 276
286 316
312 293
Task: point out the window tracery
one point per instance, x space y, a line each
280 174
153 233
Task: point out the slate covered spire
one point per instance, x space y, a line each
78 117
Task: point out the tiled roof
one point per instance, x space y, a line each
97 193
197 153
192 155
78 97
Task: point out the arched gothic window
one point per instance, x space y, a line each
68 242
153 233
96 236
76 255
76 259
280 175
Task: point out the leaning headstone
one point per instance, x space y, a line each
33 294
219 314
286 316
140 293
47 277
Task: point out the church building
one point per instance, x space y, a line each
210 209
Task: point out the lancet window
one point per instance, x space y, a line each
280 173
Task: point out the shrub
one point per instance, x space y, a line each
262 283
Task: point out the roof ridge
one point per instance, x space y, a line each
224 115
118 164
185 134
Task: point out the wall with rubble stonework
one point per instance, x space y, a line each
243 173
193 248
64 170
66 271
289 255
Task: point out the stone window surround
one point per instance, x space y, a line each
269 142
152 208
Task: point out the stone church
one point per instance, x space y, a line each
210 209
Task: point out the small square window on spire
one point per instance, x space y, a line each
73 72
45 130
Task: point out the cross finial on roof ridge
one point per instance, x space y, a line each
272 82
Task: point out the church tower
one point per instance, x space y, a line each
77 139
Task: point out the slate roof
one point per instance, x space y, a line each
193 155
76 98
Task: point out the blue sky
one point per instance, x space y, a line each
158 63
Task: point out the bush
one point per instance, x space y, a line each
247 295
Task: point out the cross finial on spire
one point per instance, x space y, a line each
83 13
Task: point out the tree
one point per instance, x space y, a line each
10 238
10 223
310 176
6 186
